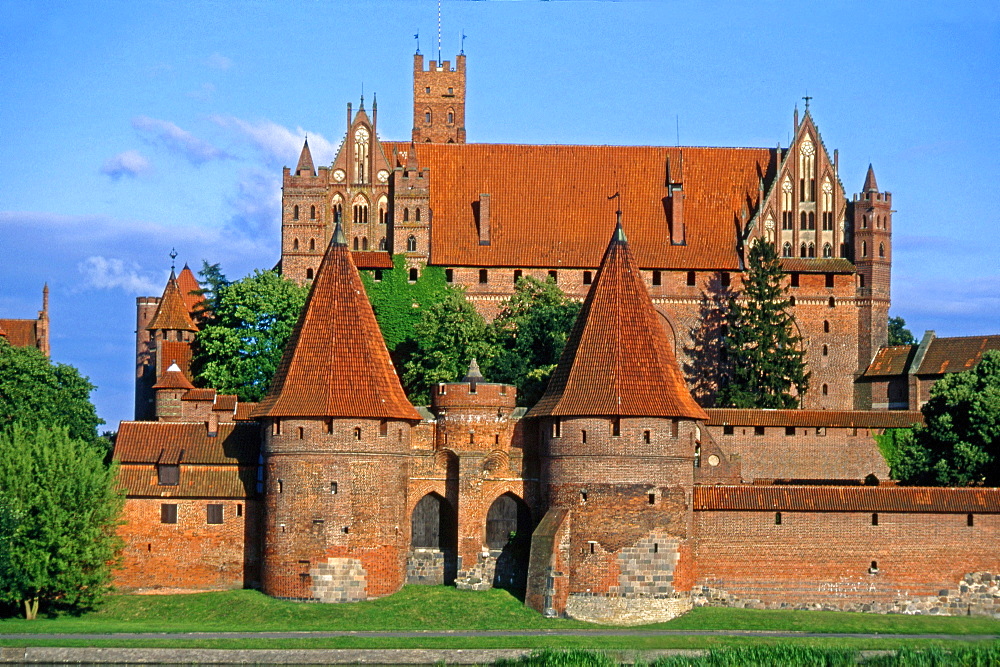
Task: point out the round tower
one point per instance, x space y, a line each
871 215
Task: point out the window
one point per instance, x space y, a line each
583 499
406 215
864 248
675 426
832 303
416 214
295 244
361 155
588 277
295 212
616 427
777 518
517 275
724 278
657 279
821 431
827 251
812 220
969 521
758 430
554 275
791 301
312 212
302 433
383 428
786 249
427 90
802 250
875 519
828 277
168 513
652 500
861 280
449 275
728 430
451 117
312 244
691 278
795 280
413 275
364 243
309 274
484 276
357 243
826 389
381 244
826 326
168 475
411 244
213 513
583 436
646 437
697 456
881 250
427 117
789 430
239 509
812 249
378 275
864 222
874 568
803 221
281 486
338 212
826 350
557 428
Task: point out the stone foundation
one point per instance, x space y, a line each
425 567
339 580
611 610
479 577
977 594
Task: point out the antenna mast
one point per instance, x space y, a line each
439 32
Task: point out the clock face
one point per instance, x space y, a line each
383 176
361 134
339 175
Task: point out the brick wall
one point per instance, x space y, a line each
190 554
825 558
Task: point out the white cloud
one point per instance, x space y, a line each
112 273
219 61
128 163
258 205
178 140
279 145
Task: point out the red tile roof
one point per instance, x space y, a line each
371 259
752 498
172 313
953 355
175 352
870 184
244 411
199 395
540 197
812 418
173 378
893 360
195 482
21 333
187 442
189 290
336 363
225 403
617 361
816 265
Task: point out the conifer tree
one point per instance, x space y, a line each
766 363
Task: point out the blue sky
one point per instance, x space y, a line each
129 128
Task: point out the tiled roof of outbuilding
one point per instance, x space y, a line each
953 355
813 418
153 442
336 363
21 333
816 265
617 361
175 352
371 259
751 498
173 378
196 481
548 203
172 313
892 360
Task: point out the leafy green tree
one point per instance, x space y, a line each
766 362
240 350
33 390
63 545
213 282
448 335
399 303
899 334
959 445
530 334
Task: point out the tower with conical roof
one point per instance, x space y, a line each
337 437
305 215
871 214
619 435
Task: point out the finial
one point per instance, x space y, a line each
439 32
807 97
619 234
338 235
474 373
462 52
416 36
173 257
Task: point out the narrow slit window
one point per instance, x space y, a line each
969 520
652 498
449 275
616 426
484 276
777 518
588 277
583 436
646 437
691 278
517 275
657 278
875 519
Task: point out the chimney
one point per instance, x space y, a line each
213 424
484 219
675 186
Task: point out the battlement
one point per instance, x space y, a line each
457 395
435 66
878 197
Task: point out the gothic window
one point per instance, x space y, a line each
826 350
312 244
411 244
295 212
451 117
381 214
802 250
364 243
827 250
360 211
827 206
826 326
406 215
338 212
803 220
864 222
812 220
312 212
864 248
826 390
361 154
881 250
381 244
309 274
427 116
295 244
356 243
416 216
787 215
786 249
812 250
807 172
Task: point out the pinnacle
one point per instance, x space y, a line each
474 372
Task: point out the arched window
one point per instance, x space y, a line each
484 276
406 215
312 212
356 242
832 302
427 116
364 243
360 211
812 249
826 326
295 244
381 244
295 212
338 212
786 249
827 250
451 117
803 220
802 249
881 250
383 210
787 215
361 154
864 222
826 390
416 216
411 244
826 350
812 220
864 248
312 244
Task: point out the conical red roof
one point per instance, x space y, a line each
189 289
617 361
870 184
305 166
173 378
336 363
172 313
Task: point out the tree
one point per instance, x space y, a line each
766 362
959 444
240 350
33 390
213 282
530 334
449 334
899 334
63 544
399 303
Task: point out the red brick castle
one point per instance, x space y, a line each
621 496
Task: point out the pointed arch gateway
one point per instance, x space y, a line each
433 536
508 537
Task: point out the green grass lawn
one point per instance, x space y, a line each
444 608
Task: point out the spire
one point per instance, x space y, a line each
474 374
338 235
336 363
45 298
190 290
617 361
172 313
305 166
870 184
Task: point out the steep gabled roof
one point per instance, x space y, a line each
870 184
20 333
173 378
172 313
571 184
336 363
617 361
189 289
305 166
957 354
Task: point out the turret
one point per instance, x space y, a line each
304 218
439 101
170 390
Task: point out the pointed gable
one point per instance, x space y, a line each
173 378
336 363
172 313
870 184
305 166
190 289
617 361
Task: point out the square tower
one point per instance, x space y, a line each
439 101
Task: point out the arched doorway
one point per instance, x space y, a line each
508 536
433 529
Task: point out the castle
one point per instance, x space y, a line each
621 496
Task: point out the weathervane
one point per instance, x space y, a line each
416 36
807 98
463 42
